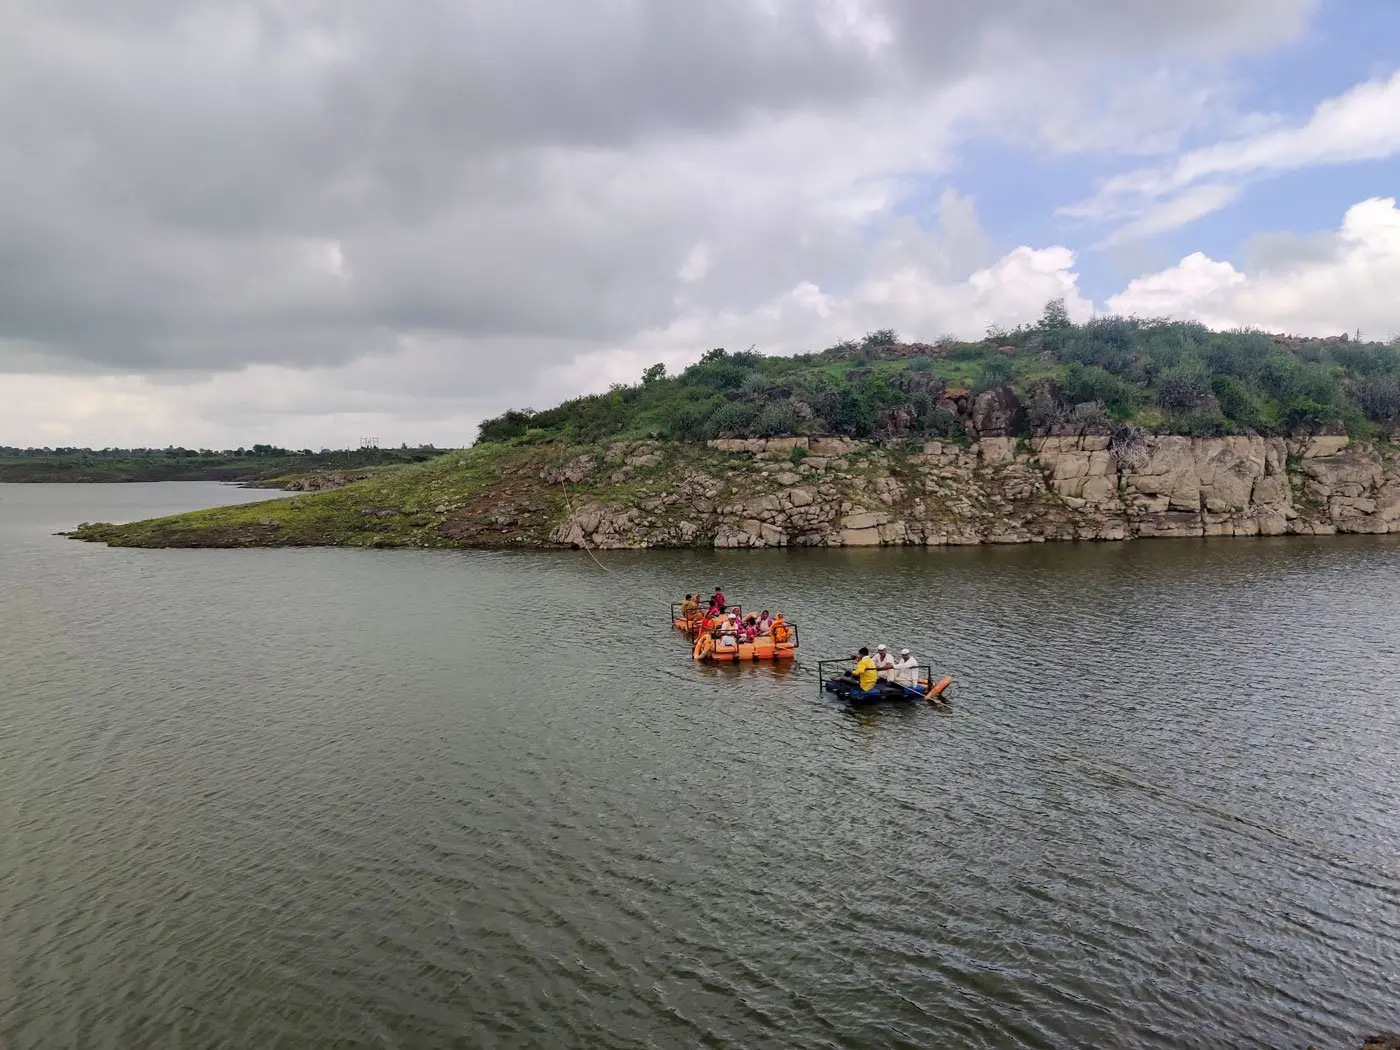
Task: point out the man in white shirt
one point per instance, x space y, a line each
884 662
906 672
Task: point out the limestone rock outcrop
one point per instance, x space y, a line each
1003 489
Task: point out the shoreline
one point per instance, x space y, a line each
819 492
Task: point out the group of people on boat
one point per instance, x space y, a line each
883 665
731 627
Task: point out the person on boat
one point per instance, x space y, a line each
690 608
729 630
765 624
864 672
718 599
781 632
906 671
884 662
750 629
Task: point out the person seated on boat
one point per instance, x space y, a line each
749 631
718 599
864 671
884 662
690 608
781 632
765 624
729 632
906 671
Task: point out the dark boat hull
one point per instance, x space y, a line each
849 690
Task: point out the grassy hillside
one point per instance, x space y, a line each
1167 376
490 495
263 464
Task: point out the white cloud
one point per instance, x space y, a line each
1312 292
1360 124
328 218
1192 204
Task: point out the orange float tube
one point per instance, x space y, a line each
935 689
704 646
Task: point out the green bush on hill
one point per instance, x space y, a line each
1168 376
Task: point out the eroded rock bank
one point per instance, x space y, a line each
827 492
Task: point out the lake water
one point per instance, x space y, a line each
323 798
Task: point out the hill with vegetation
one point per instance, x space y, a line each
259 465
1168 377
1110 430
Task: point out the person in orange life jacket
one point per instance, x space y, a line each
780 630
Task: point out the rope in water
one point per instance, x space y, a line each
1114 773
569 504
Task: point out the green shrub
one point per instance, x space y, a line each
1093 383
776 420
1379 397
734 419
1108 342
1201 422
995 371
688 422
1242 404
846 412
940 423
511 424
1307 412
1183 388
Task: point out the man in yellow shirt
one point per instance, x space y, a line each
865 670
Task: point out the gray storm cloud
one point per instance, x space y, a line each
199 187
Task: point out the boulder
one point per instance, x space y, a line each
866 537
1227 469
831 446
864 520
997 413
994 450
572 472
1168 473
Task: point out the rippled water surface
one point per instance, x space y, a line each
318 798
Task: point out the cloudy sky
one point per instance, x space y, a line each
308 221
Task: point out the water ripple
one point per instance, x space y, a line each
340 799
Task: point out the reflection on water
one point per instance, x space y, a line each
336 798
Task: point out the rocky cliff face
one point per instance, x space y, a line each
835 492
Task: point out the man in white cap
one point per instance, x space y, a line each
906 672
884 662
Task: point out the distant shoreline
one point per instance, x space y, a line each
818 492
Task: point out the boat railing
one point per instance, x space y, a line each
676 611
828 669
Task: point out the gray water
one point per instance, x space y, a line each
321 798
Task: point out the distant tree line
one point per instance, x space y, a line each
174 463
